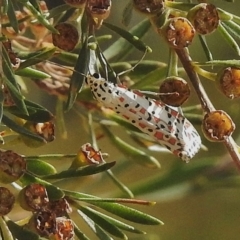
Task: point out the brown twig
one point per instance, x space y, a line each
205 101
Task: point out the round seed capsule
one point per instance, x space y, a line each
60 207
42 223
99 10
204 18
175 91
64 229
217 126
228 81
33 197
68 36
149 7
7 201
12 166
178 32
44 130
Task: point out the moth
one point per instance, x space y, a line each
160 121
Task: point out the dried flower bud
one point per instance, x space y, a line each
43 223
68 36
45 130
217 126
87 156
7 200
12 166
33 197
99 10
76 3
149 7
64 229
59 207
9 32
178 32
11 54
228 81
7 98
204 18
175 91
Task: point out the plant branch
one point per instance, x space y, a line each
205 101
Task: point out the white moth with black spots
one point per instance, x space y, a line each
163 123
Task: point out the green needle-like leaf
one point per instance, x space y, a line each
102 222
40 168
122 47
20 232
79 75
83 171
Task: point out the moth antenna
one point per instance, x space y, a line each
133 67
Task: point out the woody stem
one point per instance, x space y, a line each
205 101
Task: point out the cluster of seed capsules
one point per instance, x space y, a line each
48 216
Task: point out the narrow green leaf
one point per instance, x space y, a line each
79 234
233 28
42 55
12 16
58 10
5 6
79 75
20 129
102 222
41 18
83 171
131 152
54 193
229 39
118 209
95 227
21 233
151 78
205 47
12 84
40 168
5 232
37 113
221 63
122 47
32 73
134 40
127 13
120 224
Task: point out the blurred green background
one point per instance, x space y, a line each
207 214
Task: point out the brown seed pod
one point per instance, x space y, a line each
45 130
178 32
68 36
7 201
175 91
149 7
33 197
76 3
43 223
99 10
60 207
204 18
64 229
12 166
228 81
217 126
87 155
